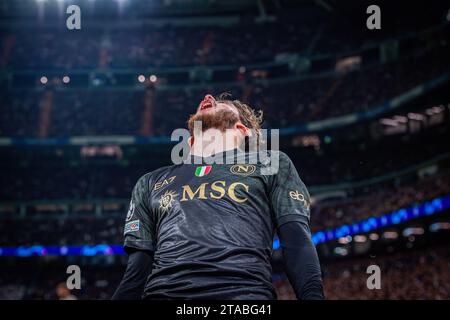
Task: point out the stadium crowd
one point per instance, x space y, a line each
175 46
156 47
419 274
305 30
377 200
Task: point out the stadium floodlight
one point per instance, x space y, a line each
390 235
153 78
389 122
64 250
400 119
66 79
345 240
141 78
437 109
44 79
360 238
417 231
374 236
341 251
438 226
415 116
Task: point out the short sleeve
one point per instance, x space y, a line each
139 223
288 194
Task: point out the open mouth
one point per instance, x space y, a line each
206 105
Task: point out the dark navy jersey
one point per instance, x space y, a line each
211 226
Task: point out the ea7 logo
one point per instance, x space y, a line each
243 169
164 183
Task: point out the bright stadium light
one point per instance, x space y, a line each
44 80
437 109
153 78
374 236
141 78
120 3
413 232
64 250
390 235
360 238
438 226
340 251
400 119
345 240
389 122
66 79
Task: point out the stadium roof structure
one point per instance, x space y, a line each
142 8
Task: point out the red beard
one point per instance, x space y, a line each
221 120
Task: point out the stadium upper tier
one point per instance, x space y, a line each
153 111
45 45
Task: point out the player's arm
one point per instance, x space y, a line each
301 261
139 234
291 202
138 269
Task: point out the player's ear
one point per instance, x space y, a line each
242 129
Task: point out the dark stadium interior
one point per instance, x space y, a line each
364 115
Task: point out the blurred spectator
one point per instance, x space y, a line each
63 293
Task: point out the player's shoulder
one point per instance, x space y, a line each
268 157
146 179
271 162
280 154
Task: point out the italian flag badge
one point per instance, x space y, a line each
202 171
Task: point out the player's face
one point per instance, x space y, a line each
209 105
220 115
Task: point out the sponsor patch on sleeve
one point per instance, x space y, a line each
131 226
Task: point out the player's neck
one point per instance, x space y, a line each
212 142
